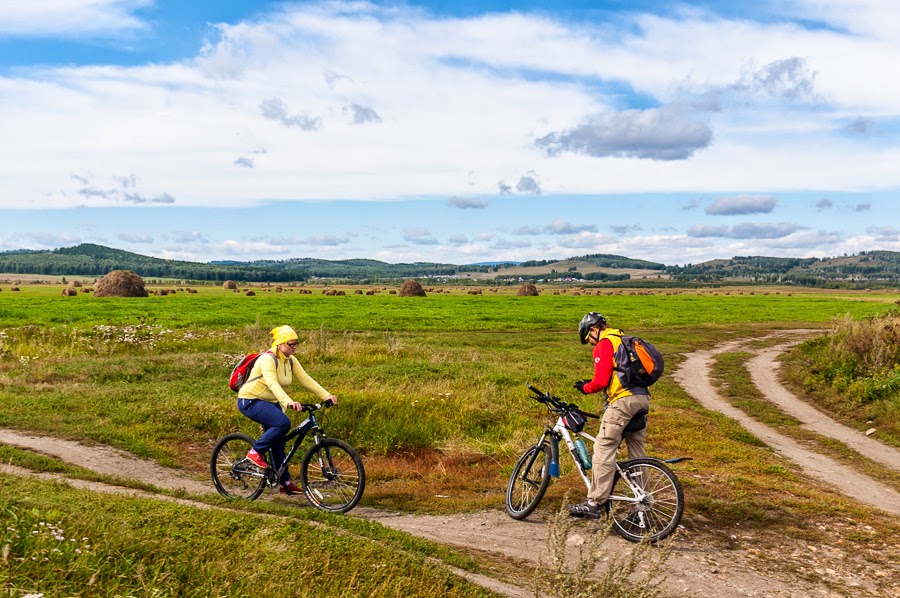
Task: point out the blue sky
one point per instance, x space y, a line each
450 131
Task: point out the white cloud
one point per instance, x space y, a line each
71 18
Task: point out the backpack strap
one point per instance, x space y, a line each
260 376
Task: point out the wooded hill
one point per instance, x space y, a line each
867 269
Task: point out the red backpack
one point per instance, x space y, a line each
242 370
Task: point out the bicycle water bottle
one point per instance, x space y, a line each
581 449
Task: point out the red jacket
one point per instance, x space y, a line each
603 366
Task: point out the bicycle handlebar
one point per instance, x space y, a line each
316 406
556 403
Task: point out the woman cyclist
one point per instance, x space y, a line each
263 399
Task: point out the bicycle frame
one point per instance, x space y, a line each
560 432
309 425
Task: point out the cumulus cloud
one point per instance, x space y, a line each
48 239
862 207
651 134
884 233
327 240
563 227
361 114
788 79
512 244
529 184
275 109
244 162
746 231
557 227
863 126
467 204
503 188
332 78
742 204
625 229
824 204
135 238
418 236
193 236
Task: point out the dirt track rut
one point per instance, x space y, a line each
694 377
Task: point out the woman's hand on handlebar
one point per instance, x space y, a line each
331 399
295 406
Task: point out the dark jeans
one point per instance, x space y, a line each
275 425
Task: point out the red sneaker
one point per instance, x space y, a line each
289 487
257 459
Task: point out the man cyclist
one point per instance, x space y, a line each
621 405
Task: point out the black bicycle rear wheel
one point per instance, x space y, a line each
528 482
233 474
654 511
332 476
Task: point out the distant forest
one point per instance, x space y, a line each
864 270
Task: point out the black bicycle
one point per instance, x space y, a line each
646 502
331 474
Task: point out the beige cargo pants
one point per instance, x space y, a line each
606 447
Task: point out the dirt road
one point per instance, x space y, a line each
693 569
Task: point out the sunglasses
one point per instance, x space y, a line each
292 344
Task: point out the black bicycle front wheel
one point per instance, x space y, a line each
233 474
647 501
528 482
332 476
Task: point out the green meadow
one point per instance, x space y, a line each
432 393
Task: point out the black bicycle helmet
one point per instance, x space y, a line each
589 320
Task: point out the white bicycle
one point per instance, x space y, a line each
646 502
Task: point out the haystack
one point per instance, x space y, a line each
229 285
73 284
528 290
250 294
120 283
69 292
411 288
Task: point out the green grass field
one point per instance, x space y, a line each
432 393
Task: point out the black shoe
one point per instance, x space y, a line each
586 510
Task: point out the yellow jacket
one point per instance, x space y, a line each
269 376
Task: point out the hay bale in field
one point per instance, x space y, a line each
391 292
161 292
329 292
250 294
341 293
370 292
13 288
120 283
411 288
192 291
87 289
229 285
73 284
357 292
67 292
528 290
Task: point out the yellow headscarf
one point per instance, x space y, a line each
281 335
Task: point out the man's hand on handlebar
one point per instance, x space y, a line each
580 386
